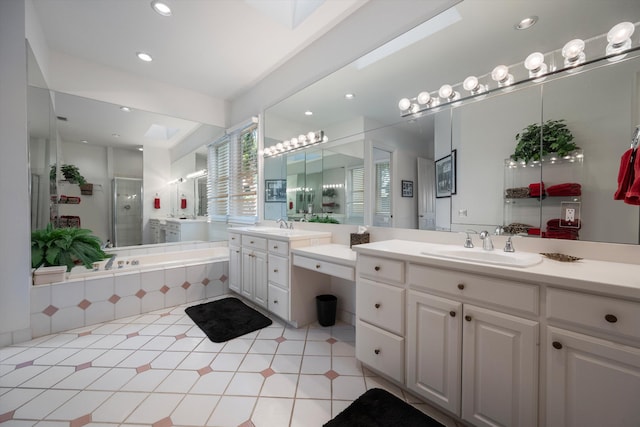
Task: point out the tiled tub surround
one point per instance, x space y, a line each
160 281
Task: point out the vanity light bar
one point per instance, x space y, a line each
295 143
197 174
618 41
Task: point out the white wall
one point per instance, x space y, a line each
157 173
14 176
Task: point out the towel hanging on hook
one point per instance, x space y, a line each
628 177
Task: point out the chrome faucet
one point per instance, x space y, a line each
487 244
468 243
282 222
109 263
508 246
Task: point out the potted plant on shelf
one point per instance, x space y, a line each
65 247
70 172
537 141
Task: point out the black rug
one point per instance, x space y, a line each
379 408
227 318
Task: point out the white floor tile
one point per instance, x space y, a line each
55 356
343 349
194 410
264 347
291 333
79 405
245 384
185 344
118 407
155 407
209 346
83 356
44 404
313 387
379 382
113 380
315 364
286 364
178 382
19 376
318 334
317 348
212 383
169 359
270 333
305 410
146 381
255 362
17 397
272 412
227 362
139 358
280 385
159 343
81 379
346 365
107 341
48 378
196 361
347 388
338 406
111 357
233 411
237 346
291 347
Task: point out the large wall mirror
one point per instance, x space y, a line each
598 103
106 144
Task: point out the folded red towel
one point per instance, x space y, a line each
533 231
633 194
566 189
536 189
625 174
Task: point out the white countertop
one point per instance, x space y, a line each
616 279
332 252
279 233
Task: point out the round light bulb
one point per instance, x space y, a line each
301 137
286 144
311 136
470 83
500 73
325 138
144 56
424 98
404 104
534 61
279 146
161 7
620 33
294 140
445 92
573 50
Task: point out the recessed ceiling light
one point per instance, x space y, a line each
84 141
308 113
125 109
525 23
161 7
144 56
349 95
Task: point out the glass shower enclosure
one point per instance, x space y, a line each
127 211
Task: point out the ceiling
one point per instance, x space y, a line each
217 47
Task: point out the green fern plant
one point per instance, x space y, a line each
70 172
65 246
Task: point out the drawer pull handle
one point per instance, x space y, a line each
468 318
452 313
275 270
233 238
251 241
610 318
275 246
377 305
376 268
557 345
376 351
317 265
461 286
237 252
275 301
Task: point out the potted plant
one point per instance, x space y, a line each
536 141
65 246
70 172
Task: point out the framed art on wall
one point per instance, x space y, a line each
275 190
407 188
446 175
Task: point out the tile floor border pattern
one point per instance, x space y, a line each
159 369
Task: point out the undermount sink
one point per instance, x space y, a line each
496 257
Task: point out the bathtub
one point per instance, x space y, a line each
151 279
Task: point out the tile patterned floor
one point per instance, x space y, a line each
160 370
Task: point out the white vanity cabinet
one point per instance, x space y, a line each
235 261
185 230
465 353
254 269
593 378
278 277
380 314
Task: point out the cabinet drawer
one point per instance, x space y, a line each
279 270
325 267
503 293
254 242
380 350
278 302
235 239
610 315
381 305
381 269
279 247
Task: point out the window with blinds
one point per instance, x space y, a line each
383 188
233 177
355 198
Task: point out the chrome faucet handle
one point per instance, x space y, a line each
468 243
508 246
487 244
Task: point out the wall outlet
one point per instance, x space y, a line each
462 212
570 214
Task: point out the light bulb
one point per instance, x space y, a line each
279 146
311 136
470 83
161 7
573 53
144 56
325 138
404 104
501 75
294 140
619 38
535 64
424 98
286 144
301 137
445 91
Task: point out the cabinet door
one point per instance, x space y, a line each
260 285
248 273
235 273
591 382
434 343
499 369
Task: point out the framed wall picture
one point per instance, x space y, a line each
407 188
275 190
446 175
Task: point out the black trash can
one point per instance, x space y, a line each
326 306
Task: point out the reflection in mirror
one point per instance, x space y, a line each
483 131
383 188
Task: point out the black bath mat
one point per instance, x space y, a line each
379 408
227 318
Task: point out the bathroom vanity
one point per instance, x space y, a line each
260 268
549 344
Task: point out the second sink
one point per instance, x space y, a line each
509 259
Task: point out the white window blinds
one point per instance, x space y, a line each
233 176
383 188
355 201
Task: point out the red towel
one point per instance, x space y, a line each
625 174
566 189
567 235
633 194
536 189
533 231
561 224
